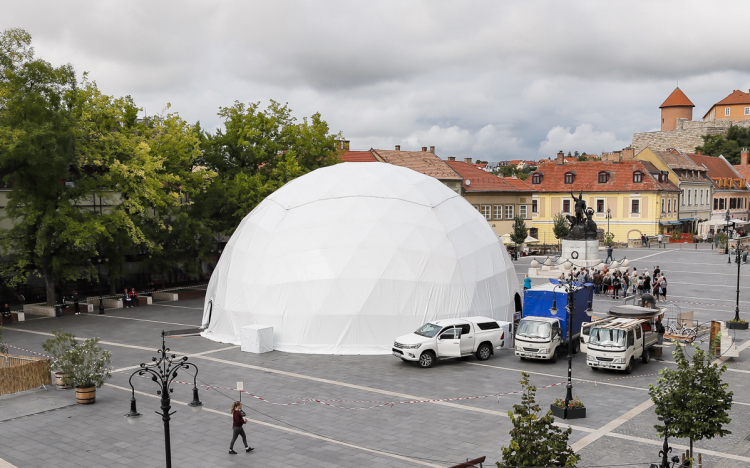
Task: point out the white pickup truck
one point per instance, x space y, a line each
453 338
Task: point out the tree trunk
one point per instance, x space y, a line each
49 286
691 448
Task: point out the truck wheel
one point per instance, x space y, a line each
576 346
484 352
553 358
595 369
629 369
427 359
646 356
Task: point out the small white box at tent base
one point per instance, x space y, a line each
256 338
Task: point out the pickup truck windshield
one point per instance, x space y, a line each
429 330
607 337
533 329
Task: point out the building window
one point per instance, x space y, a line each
509 212
747 110
721 204
669 206
732 203
536 178
487 212
726 111
569 176
635 206
600 205
522 211
534 207
716 204
566 206
603 177
688 197
637 177
498 211
701 196
476 207
662 206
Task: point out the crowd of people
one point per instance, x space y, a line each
615 283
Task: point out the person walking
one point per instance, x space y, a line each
134 297
663 287
659 238
660 330
640 286
646 283
610 250
238 420
76 300
126 302
526 283
643 240
616 285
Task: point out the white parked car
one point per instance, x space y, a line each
452 338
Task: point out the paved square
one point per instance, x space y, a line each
335 411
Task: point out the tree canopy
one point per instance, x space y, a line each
729 147
91 180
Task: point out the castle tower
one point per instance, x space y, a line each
677 106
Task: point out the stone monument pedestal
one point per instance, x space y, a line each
581 253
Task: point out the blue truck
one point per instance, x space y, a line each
543 329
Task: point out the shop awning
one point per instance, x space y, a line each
670 223
687 219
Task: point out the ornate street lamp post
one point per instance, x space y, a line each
665 451
609 216
163 371
728 218
737 303
571 289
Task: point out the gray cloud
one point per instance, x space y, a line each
490 80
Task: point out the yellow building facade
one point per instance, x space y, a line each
626 197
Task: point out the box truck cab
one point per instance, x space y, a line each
616 342
453 338
543 329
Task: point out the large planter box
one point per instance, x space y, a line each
569 413
165 296
39 309
737 326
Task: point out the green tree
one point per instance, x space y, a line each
535 440
255 153
609 239
560 226
730 147
693 396
520 233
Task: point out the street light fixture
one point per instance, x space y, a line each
163 371
728 218
571 288
608 216
737 303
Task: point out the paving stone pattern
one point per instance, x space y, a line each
41 428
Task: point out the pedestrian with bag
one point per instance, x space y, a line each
126 302
238 420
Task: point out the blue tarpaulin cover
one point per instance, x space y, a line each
537 302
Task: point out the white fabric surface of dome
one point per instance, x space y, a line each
346 258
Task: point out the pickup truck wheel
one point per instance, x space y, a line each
629 369
427 359
646 356
595 369
553 358
484 352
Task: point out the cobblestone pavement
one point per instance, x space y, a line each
45 427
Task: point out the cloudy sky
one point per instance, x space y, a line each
490 80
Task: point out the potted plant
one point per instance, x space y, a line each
58 347
737 324
574 410
88 366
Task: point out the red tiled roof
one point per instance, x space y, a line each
519 184
421 161
587 177
677 99
481 181
743 170
718 168
737 97
358 156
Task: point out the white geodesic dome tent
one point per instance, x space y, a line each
346 258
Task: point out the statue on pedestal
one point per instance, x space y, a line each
582 225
